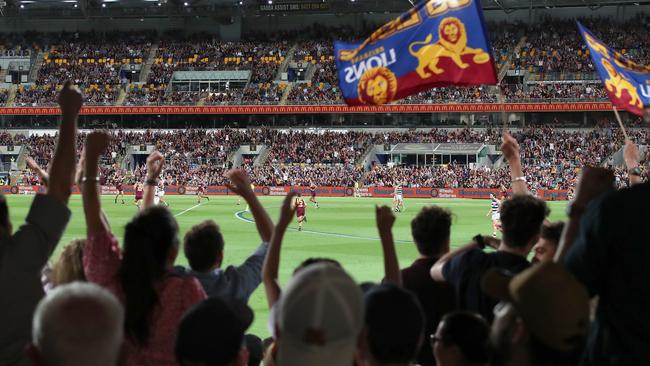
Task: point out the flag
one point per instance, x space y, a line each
627 83
436 43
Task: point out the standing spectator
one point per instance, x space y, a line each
609 256
212 333
521 218
543 318
141 277
549 239
320 318
430 230
461 340
204 247
394 326
24 253
77 324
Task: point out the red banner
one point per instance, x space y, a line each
322 109
385 192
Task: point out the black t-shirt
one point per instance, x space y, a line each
465 271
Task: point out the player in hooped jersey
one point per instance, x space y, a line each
398 198
119 187
139 193
159 197
495 211
312 191
301 211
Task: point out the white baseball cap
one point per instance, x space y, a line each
320 318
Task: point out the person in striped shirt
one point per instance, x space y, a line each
495 211
398 198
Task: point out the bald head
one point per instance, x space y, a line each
77 324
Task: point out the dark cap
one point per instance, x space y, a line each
211 333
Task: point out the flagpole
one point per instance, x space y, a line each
620 123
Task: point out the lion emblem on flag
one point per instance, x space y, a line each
617 83
452 43
377 86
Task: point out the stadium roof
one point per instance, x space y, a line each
153 8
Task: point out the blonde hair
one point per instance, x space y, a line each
69 267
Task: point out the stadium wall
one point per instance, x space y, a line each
381 192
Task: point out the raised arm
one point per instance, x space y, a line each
96 144
272 262
34 167
510 149
631 157
385 221
61 173
241 184
437 269
155 163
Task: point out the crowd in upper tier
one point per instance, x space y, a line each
534 293
552 52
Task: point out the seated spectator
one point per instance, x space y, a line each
394 326
77 324
204 246
430 230
154 300
25 252
461 340
606 246
320 318
542 319
212 333
549 239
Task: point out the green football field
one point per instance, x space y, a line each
343 229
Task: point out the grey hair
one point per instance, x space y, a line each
79 324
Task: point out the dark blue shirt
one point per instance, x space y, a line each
465 271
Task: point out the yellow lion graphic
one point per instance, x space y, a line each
452 43
617 83
377 86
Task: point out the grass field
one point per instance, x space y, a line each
343 229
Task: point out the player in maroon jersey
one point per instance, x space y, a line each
301 210
200 192
119 186
312 190
139 194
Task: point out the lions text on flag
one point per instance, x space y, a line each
436 43
627 83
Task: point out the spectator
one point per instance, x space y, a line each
77 324
543 318
394 326
255 350
549 239
24 253
606 246
204 247
320 318
154 300
212 333
69 267
430 230
461 340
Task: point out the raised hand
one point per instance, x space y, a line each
631 154
288 209
97 142
510 148
155 163
70 99
385 218
239 182
32 164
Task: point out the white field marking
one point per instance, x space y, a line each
239 215
189 209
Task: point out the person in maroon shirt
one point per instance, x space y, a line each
430 230
119 186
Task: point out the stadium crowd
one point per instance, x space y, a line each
483 303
